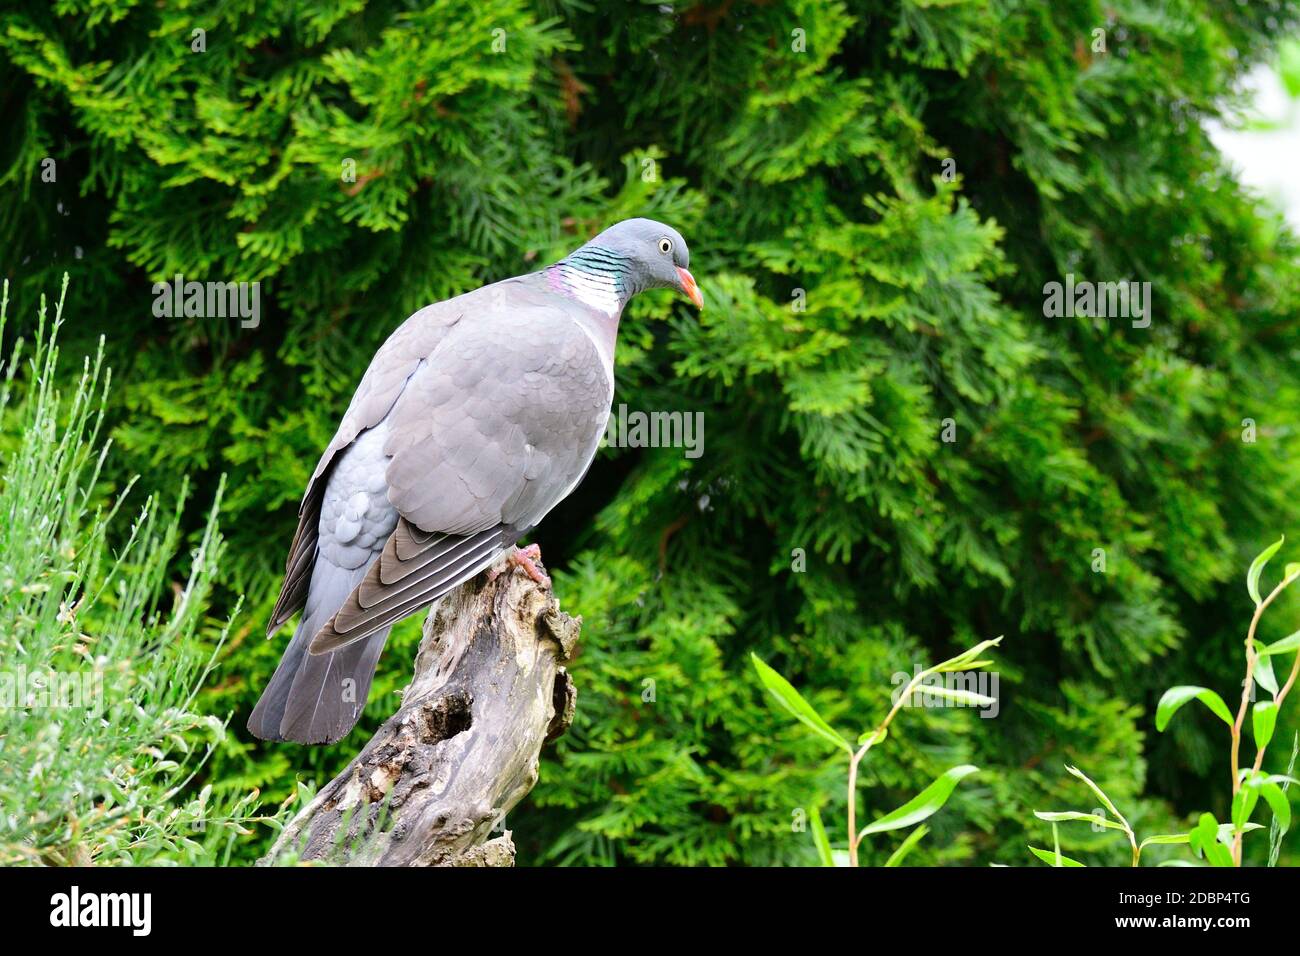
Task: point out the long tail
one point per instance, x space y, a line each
318 699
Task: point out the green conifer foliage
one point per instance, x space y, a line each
903 453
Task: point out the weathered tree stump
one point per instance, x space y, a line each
438 777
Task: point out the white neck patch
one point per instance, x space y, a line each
596 291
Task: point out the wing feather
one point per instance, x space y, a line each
394 587
501 421
301 560
396 361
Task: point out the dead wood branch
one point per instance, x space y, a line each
438 777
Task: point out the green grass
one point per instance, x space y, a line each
102 648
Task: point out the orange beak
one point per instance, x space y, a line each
690 288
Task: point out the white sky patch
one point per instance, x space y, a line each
1266 160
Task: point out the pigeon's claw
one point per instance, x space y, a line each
524 558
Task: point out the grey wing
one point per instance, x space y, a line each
319 699
488 436
393 365
407 577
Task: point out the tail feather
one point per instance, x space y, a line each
327 697
318 699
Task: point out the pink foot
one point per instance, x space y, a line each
524 558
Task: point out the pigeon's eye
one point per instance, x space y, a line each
666 246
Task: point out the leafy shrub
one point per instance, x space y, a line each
924 804
103 649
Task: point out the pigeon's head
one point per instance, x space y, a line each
655 256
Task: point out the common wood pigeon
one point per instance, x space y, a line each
475 418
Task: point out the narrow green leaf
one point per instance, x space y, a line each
820 840
1264 719
1243 805
1064 816
1225 831
1257 568
1219 855
923 804
1203 833
966 659
1050 858
1275 832
1175 697
1165 839
904 848
869 734
1264 675
793 701
1277 802
1101 795
1207 840
967 697
1285 646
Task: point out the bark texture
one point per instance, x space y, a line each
437 779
